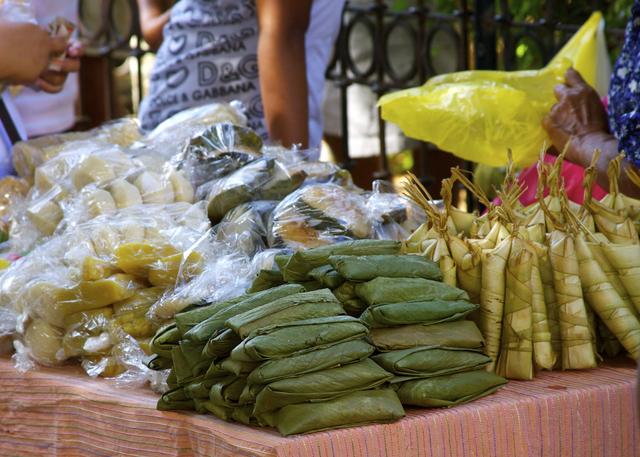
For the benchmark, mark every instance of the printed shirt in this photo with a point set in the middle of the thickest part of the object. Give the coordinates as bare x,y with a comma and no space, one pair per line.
208,55
624,92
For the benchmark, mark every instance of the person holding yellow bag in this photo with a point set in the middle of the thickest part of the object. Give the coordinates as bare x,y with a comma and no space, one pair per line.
580,117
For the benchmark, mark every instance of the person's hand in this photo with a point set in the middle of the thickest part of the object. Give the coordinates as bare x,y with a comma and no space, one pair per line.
53,78
25,51
578,115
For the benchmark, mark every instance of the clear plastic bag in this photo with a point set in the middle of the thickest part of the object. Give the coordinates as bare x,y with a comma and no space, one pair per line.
262,179
318,215
217,151
394,216
29,154
86,293
478,115
245,227
170,136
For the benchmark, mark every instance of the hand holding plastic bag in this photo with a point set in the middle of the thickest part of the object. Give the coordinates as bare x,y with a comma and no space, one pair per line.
478,115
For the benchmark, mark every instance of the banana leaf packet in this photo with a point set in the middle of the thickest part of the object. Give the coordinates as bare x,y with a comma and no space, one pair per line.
158,363
184,371
345,292
215,371
322,359
427,362
199,389
221,344
368,267
351,410
459,334
237,188
321,385
175,399
354,306
326,276
302,262
416,312
220,411
237,367
186,320
266,279
288,339
305,305
395,290
249,394
226,392
205,329
449,390
165,340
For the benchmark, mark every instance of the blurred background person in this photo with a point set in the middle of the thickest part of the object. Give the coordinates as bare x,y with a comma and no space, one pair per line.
268,54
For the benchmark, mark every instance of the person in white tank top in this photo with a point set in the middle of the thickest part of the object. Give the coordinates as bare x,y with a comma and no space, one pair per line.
270,55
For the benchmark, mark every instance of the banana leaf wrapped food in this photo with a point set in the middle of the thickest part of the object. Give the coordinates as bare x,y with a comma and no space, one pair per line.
396,290
240,187
287,339
227,391
199,389
245,227
368,267
516,350
430,361
626,261
321,385
237,367
416,312
266,279
345,292
327,276
449,390
459,334
165,340
578,351
205,329
319,215
543,353
333,356
220,344
351,410
175,399
304,305
301,263
189,318
492,294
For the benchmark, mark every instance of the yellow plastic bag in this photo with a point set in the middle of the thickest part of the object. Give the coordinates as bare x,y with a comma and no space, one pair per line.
478,115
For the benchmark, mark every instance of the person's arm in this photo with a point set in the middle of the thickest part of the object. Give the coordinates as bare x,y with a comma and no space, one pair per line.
154,14
580,117
283,69
25,52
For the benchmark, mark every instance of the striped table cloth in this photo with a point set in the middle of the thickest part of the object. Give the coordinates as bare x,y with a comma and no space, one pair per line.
64,413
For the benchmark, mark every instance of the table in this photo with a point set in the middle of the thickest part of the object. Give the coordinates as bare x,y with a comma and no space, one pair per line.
63,412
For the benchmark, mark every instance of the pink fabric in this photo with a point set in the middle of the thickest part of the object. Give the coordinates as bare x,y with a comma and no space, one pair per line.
572,174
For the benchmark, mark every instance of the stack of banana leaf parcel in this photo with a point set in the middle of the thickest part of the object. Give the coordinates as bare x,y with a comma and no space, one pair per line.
300,355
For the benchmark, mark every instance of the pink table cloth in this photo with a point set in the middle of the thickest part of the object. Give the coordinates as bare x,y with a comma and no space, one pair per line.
61,412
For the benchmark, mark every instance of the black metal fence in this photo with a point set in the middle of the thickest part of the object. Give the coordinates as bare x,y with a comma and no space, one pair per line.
473,34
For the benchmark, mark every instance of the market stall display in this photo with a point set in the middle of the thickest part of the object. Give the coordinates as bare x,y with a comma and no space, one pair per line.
290,357
135,228
544,276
